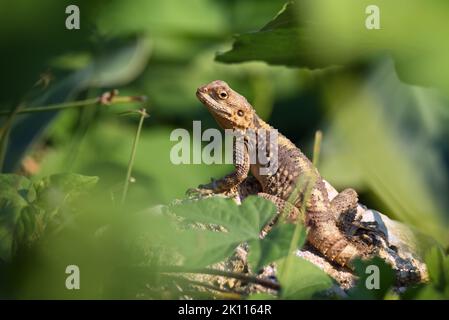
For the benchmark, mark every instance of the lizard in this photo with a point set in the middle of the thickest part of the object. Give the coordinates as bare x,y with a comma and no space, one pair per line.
232,111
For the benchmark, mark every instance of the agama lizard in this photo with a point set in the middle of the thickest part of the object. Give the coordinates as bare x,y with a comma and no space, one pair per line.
232,111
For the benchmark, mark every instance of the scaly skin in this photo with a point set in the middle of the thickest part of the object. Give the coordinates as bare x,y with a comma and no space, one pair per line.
294,180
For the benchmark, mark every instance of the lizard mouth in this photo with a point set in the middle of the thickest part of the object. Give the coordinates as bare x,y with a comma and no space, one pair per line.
211,104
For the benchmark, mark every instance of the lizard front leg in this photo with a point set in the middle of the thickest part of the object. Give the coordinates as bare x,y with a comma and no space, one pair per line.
232,180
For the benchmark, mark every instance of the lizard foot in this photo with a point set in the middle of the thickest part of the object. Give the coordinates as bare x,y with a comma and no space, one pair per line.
369,232
198,192
203,189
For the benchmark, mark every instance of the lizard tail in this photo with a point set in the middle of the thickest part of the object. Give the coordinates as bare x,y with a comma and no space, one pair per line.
323,232
329,240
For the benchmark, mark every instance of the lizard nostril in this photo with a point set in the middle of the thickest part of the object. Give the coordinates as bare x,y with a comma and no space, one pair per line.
203,89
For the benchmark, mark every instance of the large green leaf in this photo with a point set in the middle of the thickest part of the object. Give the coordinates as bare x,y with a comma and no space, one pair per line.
303,279
321,33
274,246
242,223
379,268
285,31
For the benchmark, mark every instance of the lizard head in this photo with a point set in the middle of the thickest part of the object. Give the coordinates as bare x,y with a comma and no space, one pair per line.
230,109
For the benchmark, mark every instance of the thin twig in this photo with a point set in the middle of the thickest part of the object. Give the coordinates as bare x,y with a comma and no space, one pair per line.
107,98
4,134
77,104
4,137
143,114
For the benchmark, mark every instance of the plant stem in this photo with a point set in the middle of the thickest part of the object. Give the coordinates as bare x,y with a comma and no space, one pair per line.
239,276
285,266
4,137
75,104
143,115
317,147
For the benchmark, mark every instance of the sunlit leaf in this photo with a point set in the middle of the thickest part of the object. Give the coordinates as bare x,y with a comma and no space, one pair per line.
370,274
303,280
242,223
274,246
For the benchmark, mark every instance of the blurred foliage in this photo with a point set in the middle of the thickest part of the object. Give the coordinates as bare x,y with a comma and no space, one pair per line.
438,265
312,66
43,220
28,208
322,33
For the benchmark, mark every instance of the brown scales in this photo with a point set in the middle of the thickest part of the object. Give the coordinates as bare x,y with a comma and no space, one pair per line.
295,179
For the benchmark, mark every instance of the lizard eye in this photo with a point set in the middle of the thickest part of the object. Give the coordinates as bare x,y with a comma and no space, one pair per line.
223,95
240,113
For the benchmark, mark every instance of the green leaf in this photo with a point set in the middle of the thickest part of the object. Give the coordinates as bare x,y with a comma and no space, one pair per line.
243,224
66,182
284,31
438,268
367,271
321,33
274,246
122,65
27,208
203,248
303,279
296,31
245,221
29,228
13,199
54,191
